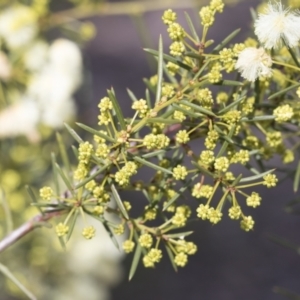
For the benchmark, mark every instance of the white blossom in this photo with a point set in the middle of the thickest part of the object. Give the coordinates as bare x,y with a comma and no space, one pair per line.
35,57
277,23
253,63
20,118
18,26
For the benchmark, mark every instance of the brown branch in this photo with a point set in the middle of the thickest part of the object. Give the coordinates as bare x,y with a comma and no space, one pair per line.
27,227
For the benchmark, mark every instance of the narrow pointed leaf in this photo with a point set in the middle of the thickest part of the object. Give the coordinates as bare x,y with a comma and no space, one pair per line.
179,235
74,134
151,165
64,178
131,95
297,178
75,151
33,197
229,83
96,132
135,261
154,153
171,256
198,108
233,104
63,152
55,175
255,177
191,26
148,98
226,41
71,224
226,143
117,108
6,272
7,213
85,181
162,120
159,70
281,92
170,58
258,118
119,201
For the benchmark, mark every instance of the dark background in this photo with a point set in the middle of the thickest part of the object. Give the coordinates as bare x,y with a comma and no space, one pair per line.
229,264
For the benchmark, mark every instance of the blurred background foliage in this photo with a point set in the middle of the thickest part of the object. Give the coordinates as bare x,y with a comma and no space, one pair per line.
52,52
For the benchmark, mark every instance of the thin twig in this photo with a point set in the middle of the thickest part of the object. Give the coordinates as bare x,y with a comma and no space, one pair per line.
27,227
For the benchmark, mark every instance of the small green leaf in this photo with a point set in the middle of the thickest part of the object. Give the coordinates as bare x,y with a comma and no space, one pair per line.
63,152
258,118
233,104
297,178
135,261
119,201
170,58
131,95
229,83
72,223
281,92
197,75
154,153
33,197
162,120
179,235
185,111
171,256
159,70
148,98
96,132
151,165
180,192
226,41
226,143
117,108
73,133
198,108
255,177
7,212
85,181
64,178
55,175
75,151
6,272
191,26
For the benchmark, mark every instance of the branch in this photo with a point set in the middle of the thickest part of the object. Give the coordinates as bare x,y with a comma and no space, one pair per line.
35,222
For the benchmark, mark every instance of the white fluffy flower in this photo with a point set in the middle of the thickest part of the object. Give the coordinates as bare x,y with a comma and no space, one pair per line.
253,63
276,24
35,57
18,26
20,118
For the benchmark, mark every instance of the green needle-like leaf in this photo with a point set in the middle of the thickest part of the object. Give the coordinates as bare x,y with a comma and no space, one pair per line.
297,178
281,92
171,256
72,223
6,272
74,133
117,108
191,26
135,261
96,132
55,175
255,177
63,152
159,70
119,201
226,41
151,165
64,178
33,197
